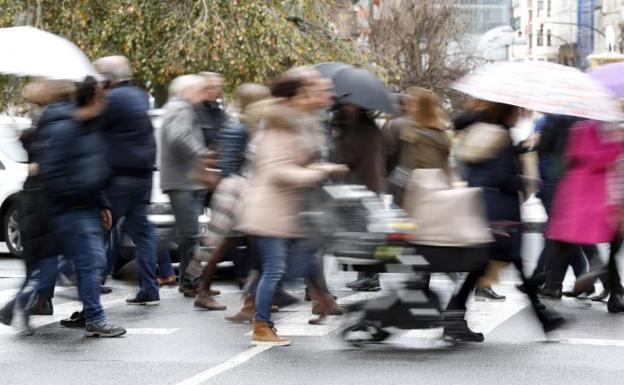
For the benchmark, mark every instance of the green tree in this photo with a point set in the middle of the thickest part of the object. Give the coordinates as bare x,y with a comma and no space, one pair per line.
245,40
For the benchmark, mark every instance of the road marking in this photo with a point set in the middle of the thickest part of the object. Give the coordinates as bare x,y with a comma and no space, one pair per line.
233,362
152,331
591,341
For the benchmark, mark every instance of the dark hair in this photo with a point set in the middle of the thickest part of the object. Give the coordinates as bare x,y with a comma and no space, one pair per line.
86,91
287,86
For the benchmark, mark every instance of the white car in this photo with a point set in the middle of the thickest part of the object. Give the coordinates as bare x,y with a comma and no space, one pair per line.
13,173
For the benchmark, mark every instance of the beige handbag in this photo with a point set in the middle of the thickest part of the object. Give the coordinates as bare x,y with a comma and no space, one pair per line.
451,217
480,142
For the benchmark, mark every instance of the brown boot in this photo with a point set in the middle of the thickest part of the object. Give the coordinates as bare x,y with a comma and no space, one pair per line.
246,313
205,300
265,335
324,305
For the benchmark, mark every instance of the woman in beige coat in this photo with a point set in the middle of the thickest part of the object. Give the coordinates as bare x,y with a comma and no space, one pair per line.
282,168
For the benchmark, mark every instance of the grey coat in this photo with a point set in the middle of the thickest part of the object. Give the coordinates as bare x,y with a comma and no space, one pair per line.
182,143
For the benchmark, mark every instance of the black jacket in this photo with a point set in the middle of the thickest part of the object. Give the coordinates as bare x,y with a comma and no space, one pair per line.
212,119
129,132
74,167
553,140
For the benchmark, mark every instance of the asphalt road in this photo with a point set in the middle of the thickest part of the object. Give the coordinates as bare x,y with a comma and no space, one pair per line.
174,344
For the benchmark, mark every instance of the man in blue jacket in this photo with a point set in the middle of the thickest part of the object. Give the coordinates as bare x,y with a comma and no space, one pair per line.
132,155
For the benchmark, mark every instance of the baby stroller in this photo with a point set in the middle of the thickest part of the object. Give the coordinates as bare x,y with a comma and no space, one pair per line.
354,226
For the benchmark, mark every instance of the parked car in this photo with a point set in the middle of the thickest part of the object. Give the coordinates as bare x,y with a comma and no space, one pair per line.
13,172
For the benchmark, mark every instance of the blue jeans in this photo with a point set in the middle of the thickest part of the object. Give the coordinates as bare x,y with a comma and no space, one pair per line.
81,239
47,274
280,258
130,198
187,205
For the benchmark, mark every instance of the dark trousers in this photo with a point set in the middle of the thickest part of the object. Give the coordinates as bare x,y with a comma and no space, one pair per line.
187,205
130,198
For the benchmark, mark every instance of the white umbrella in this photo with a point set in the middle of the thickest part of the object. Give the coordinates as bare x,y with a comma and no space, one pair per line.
544,87
28,51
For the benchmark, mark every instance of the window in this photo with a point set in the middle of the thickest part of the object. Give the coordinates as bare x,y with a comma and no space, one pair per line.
548,8
540,6
530,41
540,38
548,38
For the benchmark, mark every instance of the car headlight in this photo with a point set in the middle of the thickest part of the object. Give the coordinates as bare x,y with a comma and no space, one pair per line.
160,209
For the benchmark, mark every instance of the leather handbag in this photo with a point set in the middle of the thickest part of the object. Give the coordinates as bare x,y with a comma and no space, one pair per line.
450,217
481,142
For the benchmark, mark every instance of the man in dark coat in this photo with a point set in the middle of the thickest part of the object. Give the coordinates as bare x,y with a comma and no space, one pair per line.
359,145
132,155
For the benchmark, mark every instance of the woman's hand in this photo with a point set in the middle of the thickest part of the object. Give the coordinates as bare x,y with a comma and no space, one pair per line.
330,169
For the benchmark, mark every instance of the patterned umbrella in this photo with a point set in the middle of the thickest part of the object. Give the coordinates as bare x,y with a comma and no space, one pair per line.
544,87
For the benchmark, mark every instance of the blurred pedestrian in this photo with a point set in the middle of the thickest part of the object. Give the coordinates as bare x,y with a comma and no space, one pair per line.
554,132
423,142
359,145
281,169
75,171
586,210
210,111
183,149
232,144
40,248
496,170
132,156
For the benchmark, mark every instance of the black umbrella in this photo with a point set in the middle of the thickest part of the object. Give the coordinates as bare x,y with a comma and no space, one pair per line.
363,89
329,69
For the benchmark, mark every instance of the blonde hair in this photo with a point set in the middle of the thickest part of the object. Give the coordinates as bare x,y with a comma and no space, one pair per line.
424,107
47,91
249,93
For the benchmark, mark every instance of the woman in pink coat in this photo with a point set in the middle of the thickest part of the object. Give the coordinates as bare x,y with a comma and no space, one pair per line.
586,209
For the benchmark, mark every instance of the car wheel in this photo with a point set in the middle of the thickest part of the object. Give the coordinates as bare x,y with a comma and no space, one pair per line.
11,232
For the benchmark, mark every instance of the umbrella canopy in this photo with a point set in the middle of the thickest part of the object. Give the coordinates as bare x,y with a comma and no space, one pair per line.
544,87
28,51
611,76
362,88
330,69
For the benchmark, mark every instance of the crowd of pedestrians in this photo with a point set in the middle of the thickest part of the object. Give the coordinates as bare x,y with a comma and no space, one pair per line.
94,150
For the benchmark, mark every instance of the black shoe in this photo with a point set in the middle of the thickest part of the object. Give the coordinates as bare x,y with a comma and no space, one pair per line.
42,306
104,329
487,294
6,314
522,288
548,292
367,284
106,290
140,300
76,320
540,306
456,328
550,320
615,303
